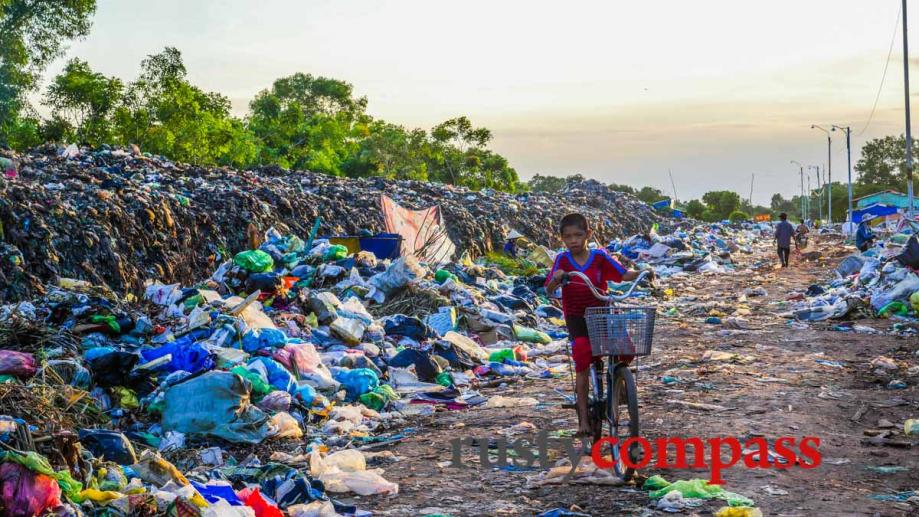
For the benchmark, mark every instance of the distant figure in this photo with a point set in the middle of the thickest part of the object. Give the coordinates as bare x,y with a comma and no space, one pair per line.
801,236
510,247
864,237
783,234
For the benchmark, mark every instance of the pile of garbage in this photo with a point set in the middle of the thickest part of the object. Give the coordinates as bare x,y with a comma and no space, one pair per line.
882,282
263,389
703,248
115,217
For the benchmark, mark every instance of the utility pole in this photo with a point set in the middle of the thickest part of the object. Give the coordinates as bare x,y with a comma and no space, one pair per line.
807,199
819,188
801,171
829,170
909,138
848,131
750,200
672,184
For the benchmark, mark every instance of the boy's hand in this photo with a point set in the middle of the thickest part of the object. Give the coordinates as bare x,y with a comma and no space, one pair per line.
559,276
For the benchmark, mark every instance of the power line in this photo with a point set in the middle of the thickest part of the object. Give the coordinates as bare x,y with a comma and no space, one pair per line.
884,75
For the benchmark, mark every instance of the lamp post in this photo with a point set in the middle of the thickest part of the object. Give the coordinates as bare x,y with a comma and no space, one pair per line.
848,131
829,171
909,138
801,172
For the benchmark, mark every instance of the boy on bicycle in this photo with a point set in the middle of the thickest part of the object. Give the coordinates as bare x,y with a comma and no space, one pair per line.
601,268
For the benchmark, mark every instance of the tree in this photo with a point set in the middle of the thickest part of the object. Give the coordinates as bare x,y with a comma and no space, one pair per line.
622,188
539,183
32,34
738,217
165,114
85,100
721,203
311,123
650,195
695,209
883,163
392,152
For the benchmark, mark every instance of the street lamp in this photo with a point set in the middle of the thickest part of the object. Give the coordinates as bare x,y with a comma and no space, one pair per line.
848,131
801,171
829,171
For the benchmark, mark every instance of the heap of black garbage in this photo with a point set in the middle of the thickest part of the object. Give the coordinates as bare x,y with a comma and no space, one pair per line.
115,217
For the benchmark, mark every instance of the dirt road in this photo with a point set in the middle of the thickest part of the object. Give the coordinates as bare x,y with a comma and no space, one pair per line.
769,384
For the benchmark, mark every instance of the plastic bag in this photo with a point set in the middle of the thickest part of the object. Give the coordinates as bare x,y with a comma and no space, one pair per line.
357,381
282,425
738,511
693,488
260,339
37,463
216,403
529,335
109,445
299,358
253,499
398,275
313,509
379,397
224,509
277,375
335,252
26,493
467,345
901,291
15,363
275,401
254,261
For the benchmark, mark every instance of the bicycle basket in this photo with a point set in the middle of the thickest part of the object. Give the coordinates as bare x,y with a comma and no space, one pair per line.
620,330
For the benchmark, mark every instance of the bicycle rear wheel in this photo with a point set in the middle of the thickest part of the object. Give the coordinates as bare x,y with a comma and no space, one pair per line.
622,419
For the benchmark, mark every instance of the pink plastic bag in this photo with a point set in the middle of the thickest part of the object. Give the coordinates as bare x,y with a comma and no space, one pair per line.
17,363
26,493
301,358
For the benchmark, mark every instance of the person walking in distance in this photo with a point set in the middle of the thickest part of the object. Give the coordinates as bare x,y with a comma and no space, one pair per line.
784,231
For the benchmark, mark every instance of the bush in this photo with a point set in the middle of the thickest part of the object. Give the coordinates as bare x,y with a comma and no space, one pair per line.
738,217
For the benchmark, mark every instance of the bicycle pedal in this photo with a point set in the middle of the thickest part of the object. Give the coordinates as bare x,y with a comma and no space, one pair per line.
570,405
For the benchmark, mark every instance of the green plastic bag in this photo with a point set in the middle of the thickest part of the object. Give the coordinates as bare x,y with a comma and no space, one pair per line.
442,275
499,356
895,307
914,301
445,379
694,488
260,388
529,335
108,320
335,252
379,397
35,462
254,261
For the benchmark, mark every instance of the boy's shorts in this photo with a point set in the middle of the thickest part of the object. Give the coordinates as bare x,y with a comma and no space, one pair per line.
581,351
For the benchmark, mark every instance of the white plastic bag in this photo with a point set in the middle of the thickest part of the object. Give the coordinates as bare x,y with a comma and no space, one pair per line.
224,509
282,425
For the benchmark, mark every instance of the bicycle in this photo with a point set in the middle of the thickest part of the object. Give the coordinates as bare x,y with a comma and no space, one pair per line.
615,331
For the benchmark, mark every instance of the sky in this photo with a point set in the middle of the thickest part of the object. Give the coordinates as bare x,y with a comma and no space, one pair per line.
717,92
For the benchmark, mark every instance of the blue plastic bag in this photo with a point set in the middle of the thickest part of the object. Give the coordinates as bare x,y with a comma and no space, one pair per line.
186,356
278,376
357,381
260,339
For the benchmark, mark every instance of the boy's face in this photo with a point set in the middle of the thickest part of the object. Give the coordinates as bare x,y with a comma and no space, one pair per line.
575,238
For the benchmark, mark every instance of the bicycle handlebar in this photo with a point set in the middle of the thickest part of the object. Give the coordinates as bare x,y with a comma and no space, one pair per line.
608,298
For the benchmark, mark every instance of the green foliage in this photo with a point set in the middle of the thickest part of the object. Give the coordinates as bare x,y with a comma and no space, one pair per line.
510,265
738,217
32,34
623,188
549,184
650,195
883,163
85,100
720,204
165,114
695,209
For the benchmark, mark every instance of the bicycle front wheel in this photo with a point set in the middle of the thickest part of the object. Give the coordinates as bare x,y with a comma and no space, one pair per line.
622,419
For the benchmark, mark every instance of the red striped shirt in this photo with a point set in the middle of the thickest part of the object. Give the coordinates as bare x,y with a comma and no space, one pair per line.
600,268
